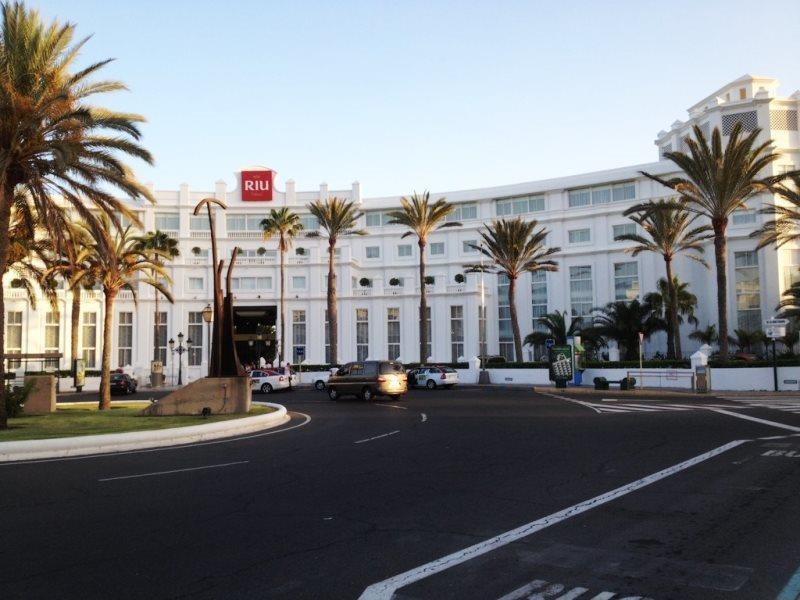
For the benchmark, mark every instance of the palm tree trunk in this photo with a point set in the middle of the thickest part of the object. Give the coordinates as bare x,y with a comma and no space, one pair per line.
512,309
673,331
215,364
156,323
423,306
721,258
283,300
5,218
105,369
333,317
75,321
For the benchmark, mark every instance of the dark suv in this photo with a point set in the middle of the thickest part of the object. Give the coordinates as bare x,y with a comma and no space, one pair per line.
122,383
368,379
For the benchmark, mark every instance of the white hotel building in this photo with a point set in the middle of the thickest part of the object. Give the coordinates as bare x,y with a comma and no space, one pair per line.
582,212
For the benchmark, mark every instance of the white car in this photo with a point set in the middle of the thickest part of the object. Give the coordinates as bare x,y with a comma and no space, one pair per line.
267,381
434,377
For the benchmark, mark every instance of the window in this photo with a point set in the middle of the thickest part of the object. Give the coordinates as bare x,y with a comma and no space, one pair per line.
428,345
437,248
199,223
244,222
393,332
538,295
604,194
124,339
626,281
463,212
378,218
505,331
298,282
742,93
749,121
161,343
194,332
14,336
467,246
89,339
327,339
601,195
580,236
373,251
168,221
404,250
623,191
624,229
362,334
743,217
309,222
196,283
298,336
52,336
748,291
456,333
579,198
519,206
580,291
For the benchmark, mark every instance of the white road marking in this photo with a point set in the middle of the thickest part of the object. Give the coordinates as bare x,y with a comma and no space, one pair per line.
754,419
604,596
610,400
586,404
573,593
239,462
182,447
540,589
377,437
424,417
384,590
391,405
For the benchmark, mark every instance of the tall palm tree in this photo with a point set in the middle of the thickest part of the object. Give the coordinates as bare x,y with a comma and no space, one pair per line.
789,305
663,307
116,261
717,181
515,247
285,225
707,336
337,218
421,218
668,229
623,321
30,255
553,326
54,145
784,227
157,244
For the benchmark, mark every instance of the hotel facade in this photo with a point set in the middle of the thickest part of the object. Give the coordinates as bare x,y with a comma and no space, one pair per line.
377,275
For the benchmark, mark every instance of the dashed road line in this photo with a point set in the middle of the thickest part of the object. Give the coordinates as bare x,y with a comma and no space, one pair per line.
391,405
377,437
384,590
155,473
423,417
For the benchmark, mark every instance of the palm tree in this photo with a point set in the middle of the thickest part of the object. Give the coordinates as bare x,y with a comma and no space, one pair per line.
716,182
157,244
790,339
745,340
789,306
30,255
553,326
421,218
668,230
623,321
116,261
705,336
53,144
286,225
515,247
784,227
662,305
337,218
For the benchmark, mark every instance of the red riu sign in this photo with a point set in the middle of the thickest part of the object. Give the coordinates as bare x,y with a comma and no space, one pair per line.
257,185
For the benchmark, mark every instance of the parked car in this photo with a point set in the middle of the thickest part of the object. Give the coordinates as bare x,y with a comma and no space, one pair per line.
320,383
433,377
267,381
122,383
368,379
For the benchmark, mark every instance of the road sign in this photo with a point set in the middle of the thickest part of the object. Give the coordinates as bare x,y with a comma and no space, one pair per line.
776,331
549,343
776,322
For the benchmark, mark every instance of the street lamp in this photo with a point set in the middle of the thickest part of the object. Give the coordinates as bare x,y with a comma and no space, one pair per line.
208,315
180,350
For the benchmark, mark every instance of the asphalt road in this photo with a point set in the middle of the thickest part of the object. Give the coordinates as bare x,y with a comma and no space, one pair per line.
467,493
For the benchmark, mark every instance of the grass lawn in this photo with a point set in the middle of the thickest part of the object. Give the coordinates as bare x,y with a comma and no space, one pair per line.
85,419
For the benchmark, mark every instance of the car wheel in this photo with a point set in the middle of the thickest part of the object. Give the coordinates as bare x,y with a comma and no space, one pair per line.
266,389
366,394
431,385
319,384
333,394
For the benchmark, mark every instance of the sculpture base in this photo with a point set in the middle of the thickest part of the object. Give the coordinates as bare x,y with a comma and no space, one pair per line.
42,397
222,395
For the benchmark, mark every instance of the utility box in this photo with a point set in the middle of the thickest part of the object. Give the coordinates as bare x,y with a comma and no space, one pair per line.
156,373
701,372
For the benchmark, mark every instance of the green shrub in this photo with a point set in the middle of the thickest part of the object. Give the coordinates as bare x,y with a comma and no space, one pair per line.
15,399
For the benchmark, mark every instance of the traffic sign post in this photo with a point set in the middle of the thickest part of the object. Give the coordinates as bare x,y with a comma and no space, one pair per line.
775,328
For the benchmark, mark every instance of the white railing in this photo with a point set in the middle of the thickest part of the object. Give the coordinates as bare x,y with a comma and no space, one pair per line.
91,294
298,260
255,260
200,235
173,233
197,261
125,295
455,289
245,235
362,292
394,291
16,294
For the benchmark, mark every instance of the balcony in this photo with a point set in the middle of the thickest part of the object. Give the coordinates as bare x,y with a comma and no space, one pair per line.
298,260
457,288
16,294
200,235
125,295
245,235
363,292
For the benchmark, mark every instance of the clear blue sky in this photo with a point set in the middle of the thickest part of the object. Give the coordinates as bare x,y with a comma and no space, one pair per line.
421,94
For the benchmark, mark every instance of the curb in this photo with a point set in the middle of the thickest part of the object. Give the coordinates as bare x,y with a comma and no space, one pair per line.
140,440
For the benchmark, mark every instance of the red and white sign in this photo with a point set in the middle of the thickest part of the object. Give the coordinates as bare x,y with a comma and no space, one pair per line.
257,186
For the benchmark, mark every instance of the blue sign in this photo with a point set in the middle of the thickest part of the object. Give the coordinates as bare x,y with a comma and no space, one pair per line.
300,351
549,343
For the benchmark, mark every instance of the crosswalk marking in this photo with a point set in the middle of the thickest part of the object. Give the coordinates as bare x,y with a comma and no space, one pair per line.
539,589
789,404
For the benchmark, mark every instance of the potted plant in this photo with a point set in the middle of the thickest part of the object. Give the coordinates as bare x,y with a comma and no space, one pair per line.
460,278
364,282
300,251
196,250
394,282
261,251
430,280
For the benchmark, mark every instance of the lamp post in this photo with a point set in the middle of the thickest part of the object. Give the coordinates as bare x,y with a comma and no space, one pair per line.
180,350
208,315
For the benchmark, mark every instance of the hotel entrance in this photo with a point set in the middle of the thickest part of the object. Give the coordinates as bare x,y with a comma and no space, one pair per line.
255,334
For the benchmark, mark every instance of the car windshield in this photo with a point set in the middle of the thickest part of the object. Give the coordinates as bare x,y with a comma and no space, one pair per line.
391,367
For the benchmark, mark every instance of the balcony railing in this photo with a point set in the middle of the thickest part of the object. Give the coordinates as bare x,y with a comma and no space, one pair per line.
200,235
197,260
362,292
298,260
245,235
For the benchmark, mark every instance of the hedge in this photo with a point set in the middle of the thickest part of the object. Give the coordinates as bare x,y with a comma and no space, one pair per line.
634,364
